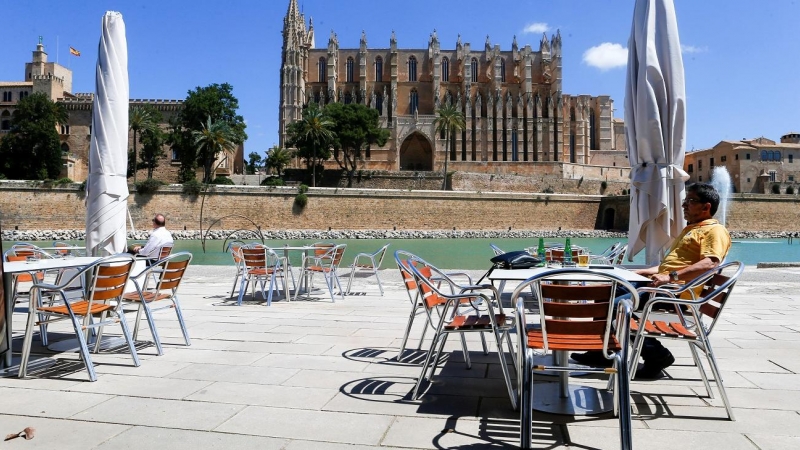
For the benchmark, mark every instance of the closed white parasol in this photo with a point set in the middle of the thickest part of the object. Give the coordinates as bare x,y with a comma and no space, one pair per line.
107,185
655,128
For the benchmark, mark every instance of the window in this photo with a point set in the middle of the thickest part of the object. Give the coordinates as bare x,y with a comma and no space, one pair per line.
736,157
700,178
723,158
747,156
64,129
5,125
349,69
776,155
514,146
699,164
348,98
445,69
791,178
316,97
378,69
748,180
379,103
64,148
323,70
412,68
502,70
691,168
6,96
175,155
773,176
414,101
711,162
791,159
474,70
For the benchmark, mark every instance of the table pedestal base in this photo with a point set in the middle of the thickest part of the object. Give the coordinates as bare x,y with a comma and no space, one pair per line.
582,400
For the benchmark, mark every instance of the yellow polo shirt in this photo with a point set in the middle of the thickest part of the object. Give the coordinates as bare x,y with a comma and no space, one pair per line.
697,241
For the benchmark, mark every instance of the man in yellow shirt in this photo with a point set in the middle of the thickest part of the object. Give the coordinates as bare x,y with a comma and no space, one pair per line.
701,246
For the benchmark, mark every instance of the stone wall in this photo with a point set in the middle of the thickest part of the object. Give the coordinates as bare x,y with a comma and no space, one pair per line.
31,208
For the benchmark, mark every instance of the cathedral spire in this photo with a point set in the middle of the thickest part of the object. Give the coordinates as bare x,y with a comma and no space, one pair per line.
293,12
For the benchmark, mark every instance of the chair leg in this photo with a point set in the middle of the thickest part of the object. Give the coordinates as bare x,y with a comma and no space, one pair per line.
181,322
504,367
465,350
408,331
26,345
273,279
422,338
623,392
126,332
350,278
699,365
483,344
378,279
235,280
137,320
423,373
634,361
242,288
148,313
718,378
98,339
526,403
84,349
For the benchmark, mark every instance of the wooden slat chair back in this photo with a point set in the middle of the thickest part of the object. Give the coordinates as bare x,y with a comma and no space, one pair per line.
164,251
558,255
698,305
103,296
575,316
234,247
326,260
462,309
169,273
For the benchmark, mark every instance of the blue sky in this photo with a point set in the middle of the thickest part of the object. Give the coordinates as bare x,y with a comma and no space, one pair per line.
740,56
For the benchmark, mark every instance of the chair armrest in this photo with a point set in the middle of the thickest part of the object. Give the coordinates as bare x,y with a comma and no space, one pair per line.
457,274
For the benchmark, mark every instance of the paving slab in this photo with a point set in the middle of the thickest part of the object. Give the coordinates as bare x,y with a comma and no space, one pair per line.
144,437
62,434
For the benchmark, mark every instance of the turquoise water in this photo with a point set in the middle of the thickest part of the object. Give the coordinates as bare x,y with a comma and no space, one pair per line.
475,253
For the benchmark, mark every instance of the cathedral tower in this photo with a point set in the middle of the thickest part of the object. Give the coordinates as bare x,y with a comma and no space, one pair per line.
297,41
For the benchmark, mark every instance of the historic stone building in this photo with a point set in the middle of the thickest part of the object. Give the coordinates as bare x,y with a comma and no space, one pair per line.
518,120
55,80
755,165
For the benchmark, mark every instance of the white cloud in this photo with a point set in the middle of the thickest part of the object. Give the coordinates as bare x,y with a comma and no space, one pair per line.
536,28
606,56
693,49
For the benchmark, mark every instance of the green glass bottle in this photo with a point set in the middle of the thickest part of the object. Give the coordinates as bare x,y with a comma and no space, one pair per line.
540,249
568,252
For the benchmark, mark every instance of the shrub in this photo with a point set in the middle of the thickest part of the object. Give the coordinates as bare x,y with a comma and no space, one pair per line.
603,185
148,187
776,188
790,190
548,190
302,189
300,201
273,181
223,180
62,181
192,188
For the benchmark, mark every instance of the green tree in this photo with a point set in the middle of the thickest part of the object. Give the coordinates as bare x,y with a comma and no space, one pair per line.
141,119
152,150
253,162
450,121
356,127
31,149
217,102
312,136
210,140
278,158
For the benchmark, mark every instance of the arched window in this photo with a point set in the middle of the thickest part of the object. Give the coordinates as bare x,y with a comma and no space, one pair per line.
414,101
379,103
378,69
64,129
323,70
445,69
764,155
412,68
5,125
64,148
776,156
474,67
349,71
316,97
502,70
348,98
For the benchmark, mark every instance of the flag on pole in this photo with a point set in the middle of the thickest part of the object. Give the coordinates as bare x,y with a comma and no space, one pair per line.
74,52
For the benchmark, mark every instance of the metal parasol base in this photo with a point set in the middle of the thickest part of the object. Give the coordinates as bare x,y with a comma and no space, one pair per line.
581,401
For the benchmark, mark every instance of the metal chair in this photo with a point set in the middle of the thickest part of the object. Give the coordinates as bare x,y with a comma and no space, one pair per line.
697,307
575,317
168,273
234,248
403,259
103,295
326,261
370,262
466,309
497,250
263,265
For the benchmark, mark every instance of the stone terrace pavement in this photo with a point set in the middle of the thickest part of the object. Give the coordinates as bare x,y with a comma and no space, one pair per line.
322,375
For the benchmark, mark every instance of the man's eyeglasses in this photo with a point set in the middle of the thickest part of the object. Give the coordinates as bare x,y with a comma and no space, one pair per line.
692,200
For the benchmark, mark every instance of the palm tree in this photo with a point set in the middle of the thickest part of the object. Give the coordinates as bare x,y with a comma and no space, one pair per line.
315,132
213,138
278,158
450,121
139,120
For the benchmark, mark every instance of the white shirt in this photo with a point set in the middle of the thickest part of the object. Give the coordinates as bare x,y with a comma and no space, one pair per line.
158,238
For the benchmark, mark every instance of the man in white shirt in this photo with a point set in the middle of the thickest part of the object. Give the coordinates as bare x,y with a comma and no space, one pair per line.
158,238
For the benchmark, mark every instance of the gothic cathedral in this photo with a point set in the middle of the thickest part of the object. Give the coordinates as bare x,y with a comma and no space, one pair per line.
517,117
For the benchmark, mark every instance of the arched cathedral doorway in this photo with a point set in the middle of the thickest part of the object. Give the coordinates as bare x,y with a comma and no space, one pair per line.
416,153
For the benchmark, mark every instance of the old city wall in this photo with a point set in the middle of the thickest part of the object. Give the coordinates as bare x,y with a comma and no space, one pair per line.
30,208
